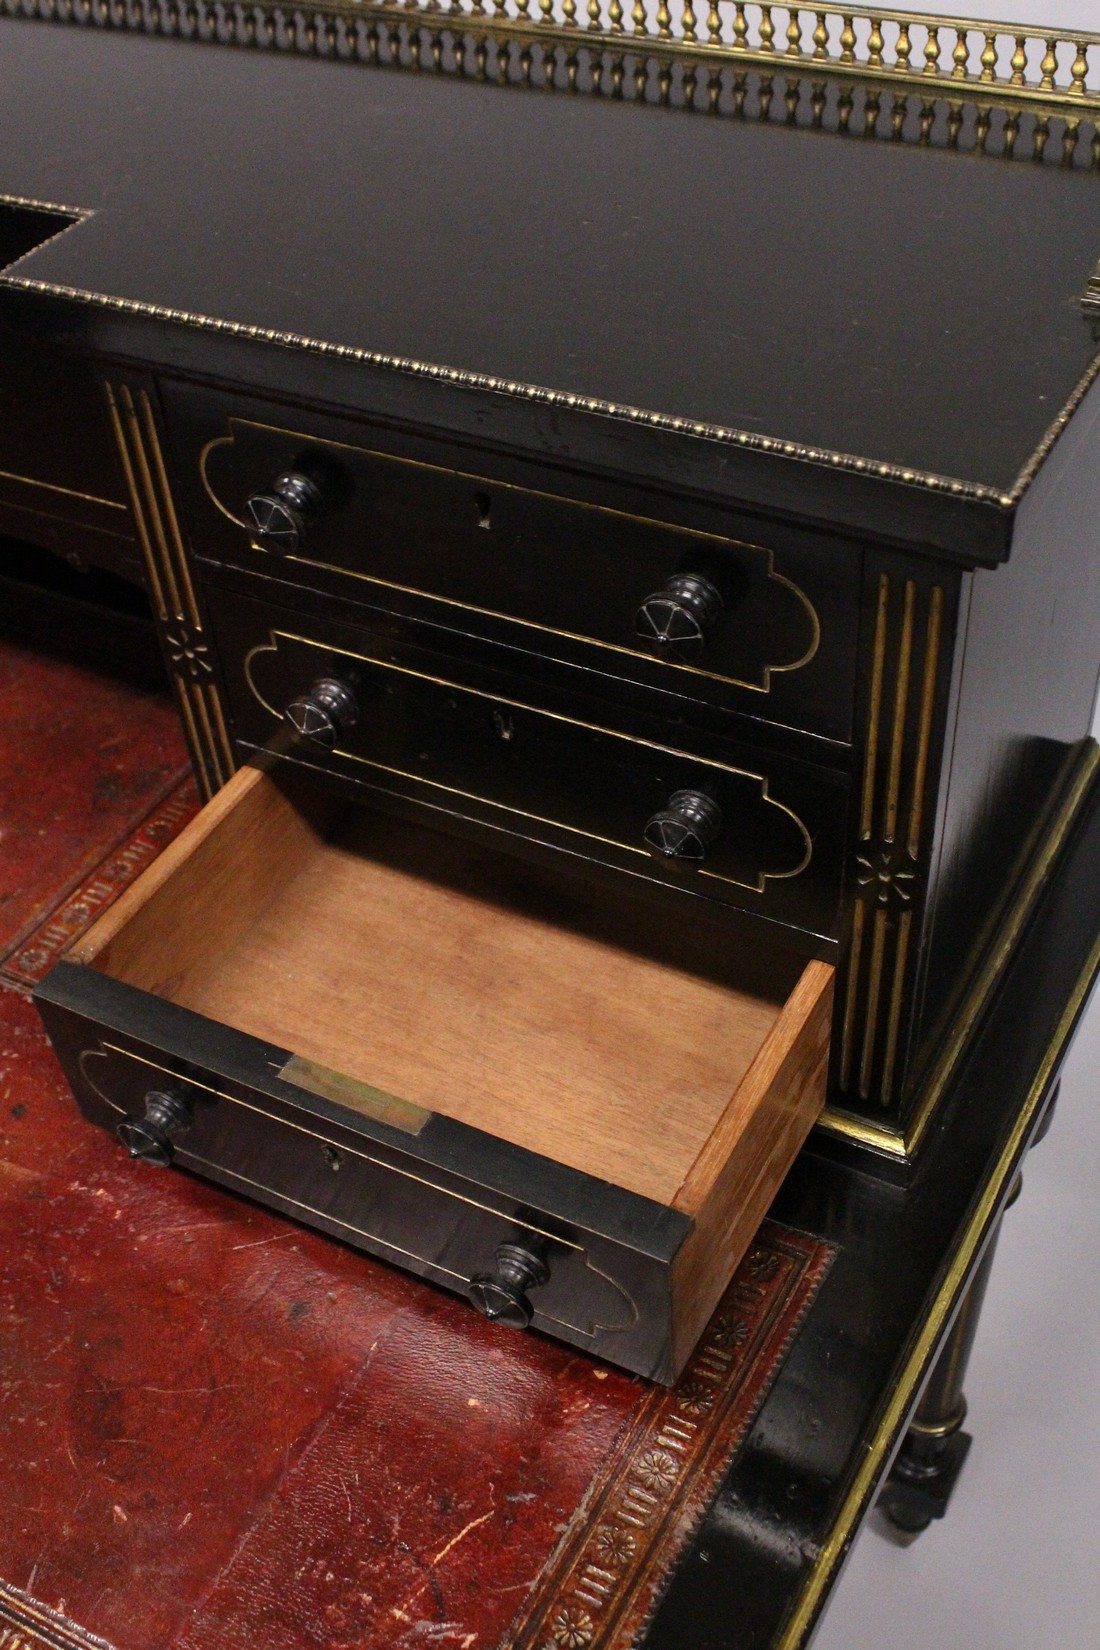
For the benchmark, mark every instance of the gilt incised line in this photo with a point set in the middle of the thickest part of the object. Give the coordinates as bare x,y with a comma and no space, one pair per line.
755,552
152,504
851,1004
901,700
140,523
757,887
180,556
897,998
885,869
928,702
170,583
874,989
878,665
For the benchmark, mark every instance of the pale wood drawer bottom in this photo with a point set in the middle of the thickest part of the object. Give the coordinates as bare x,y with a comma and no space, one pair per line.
432,1051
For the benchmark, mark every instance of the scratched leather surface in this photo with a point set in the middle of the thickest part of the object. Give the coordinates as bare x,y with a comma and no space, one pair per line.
180,1371
82,758
219,1430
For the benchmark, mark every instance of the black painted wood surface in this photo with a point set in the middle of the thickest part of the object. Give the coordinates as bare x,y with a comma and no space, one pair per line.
776,1538
552,566
708,271
436,1201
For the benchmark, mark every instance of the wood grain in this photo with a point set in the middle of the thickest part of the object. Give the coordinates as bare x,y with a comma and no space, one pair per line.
615,1064
461,982
732,1182
205,891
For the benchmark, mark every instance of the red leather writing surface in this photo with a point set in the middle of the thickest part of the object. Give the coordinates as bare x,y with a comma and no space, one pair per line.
82,759
219,1430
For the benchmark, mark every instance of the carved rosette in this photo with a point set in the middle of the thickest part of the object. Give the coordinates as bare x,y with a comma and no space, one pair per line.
887,870
171,588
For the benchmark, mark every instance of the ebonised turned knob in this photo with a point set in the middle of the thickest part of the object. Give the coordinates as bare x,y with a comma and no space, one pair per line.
685,829
279,517
676,618
329,709
502,1295
151,1136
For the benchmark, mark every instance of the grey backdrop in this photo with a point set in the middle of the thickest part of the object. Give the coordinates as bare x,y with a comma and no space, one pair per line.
1016,1563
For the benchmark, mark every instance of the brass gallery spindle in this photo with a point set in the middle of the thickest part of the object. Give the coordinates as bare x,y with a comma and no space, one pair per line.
1079,70
960,57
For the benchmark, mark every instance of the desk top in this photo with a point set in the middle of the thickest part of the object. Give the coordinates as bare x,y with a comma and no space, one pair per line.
901,305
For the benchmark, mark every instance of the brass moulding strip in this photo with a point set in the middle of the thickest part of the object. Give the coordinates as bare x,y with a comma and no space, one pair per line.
904,1389
272,646
66,492
756,550
171,588
1085,762
1085,766
887,866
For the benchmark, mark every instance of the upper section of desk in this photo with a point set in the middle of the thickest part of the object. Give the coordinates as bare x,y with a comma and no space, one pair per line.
897,321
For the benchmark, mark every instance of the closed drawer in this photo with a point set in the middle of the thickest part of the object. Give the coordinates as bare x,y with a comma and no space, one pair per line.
485,1073
407,722
693,608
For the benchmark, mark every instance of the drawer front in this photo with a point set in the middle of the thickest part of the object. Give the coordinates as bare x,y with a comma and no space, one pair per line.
387,1190
767,630
416,727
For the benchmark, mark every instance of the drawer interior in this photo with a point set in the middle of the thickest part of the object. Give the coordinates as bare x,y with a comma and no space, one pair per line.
536,1006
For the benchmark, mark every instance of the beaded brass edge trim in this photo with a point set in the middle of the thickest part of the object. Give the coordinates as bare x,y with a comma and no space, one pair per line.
975,492
849,43
696,535
1088,378
25,1624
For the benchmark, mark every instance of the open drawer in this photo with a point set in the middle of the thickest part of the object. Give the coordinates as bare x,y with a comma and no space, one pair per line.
504,1078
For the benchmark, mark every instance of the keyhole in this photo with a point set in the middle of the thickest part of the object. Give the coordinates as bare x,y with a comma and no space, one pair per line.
483,504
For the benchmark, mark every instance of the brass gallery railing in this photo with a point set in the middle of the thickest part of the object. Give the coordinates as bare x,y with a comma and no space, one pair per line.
753,60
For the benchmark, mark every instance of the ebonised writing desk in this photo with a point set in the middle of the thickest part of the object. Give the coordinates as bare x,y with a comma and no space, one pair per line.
659,453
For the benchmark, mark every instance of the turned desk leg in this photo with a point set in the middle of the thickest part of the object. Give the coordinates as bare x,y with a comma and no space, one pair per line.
928,1465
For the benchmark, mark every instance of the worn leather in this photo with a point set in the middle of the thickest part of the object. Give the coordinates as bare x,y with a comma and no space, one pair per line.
219,1430
83,759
